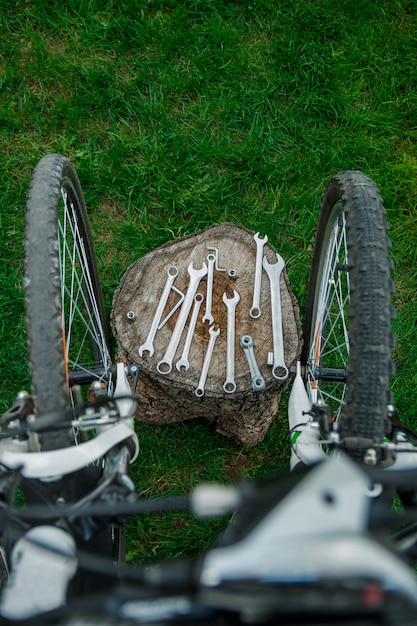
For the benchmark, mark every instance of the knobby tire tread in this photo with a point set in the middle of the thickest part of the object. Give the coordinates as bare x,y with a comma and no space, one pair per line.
42,286
43,321
370,311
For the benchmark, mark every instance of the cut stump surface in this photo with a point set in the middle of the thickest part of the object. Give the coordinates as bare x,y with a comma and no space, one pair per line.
245,414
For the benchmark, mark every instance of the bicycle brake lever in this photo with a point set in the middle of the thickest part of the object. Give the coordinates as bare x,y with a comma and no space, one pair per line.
21,408
133,372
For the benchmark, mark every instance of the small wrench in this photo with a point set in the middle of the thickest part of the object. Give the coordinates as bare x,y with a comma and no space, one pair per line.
231,303
183,362
255,311
258,381
165,364
211,258
172,273
279,369
213,336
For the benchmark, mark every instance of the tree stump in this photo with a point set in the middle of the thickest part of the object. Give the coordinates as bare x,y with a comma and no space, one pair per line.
245,414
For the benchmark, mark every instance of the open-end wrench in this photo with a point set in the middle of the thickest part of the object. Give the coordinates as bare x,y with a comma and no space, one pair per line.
203,376
211,258
165,364
183,362
255,311
231,303
172,273
279,369
258,381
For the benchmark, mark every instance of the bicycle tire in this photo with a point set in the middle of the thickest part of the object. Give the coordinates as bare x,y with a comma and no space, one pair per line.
56,224
348,322
65,316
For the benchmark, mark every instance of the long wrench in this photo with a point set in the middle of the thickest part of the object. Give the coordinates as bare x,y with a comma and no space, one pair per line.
172,273
203,376
255,311
183,362
165,364
231,303
258,381
208,317
279,369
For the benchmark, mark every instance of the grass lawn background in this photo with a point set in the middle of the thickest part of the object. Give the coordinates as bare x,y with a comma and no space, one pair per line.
178,115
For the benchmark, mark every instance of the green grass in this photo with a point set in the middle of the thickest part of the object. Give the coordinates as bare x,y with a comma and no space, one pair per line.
180,114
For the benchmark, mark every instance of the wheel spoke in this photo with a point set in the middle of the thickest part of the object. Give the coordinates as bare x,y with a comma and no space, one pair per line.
330,347
78,300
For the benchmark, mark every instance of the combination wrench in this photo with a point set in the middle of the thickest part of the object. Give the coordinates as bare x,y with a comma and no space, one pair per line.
203,376
208,317
258,381
164,366
279,369
255,311
172,273
183,362
231,303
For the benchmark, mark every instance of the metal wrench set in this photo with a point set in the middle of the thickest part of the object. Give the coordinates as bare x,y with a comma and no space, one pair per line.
191,303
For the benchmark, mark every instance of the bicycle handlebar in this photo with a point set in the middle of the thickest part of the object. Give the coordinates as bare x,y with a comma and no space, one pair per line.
270,555
299,544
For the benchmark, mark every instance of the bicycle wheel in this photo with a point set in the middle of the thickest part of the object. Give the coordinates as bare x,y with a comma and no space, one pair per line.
67,336
348,336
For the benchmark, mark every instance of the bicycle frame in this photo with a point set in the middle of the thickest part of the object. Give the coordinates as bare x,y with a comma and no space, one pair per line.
313,535
44,465
330,545
45,555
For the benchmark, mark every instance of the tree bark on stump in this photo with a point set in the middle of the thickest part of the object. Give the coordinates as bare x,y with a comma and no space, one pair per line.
246,414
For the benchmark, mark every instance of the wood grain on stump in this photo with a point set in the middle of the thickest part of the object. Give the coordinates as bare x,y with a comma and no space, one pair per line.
246,414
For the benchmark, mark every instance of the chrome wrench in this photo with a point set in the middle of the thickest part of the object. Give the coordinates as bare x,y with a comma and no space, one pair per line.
203,376
165,364
255,311
183,362
211,258
279,369
172,273
258,381
231,303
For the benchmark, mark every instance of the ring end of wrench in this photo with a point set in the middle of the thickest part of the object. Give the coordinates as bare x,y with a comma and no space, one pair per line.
280,372
164,368
229,386
255,312
258,383
246,341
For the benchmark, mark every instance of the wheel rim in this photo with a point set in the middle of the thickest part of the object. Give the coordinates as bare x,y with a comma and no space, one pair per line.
86,350
329,348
